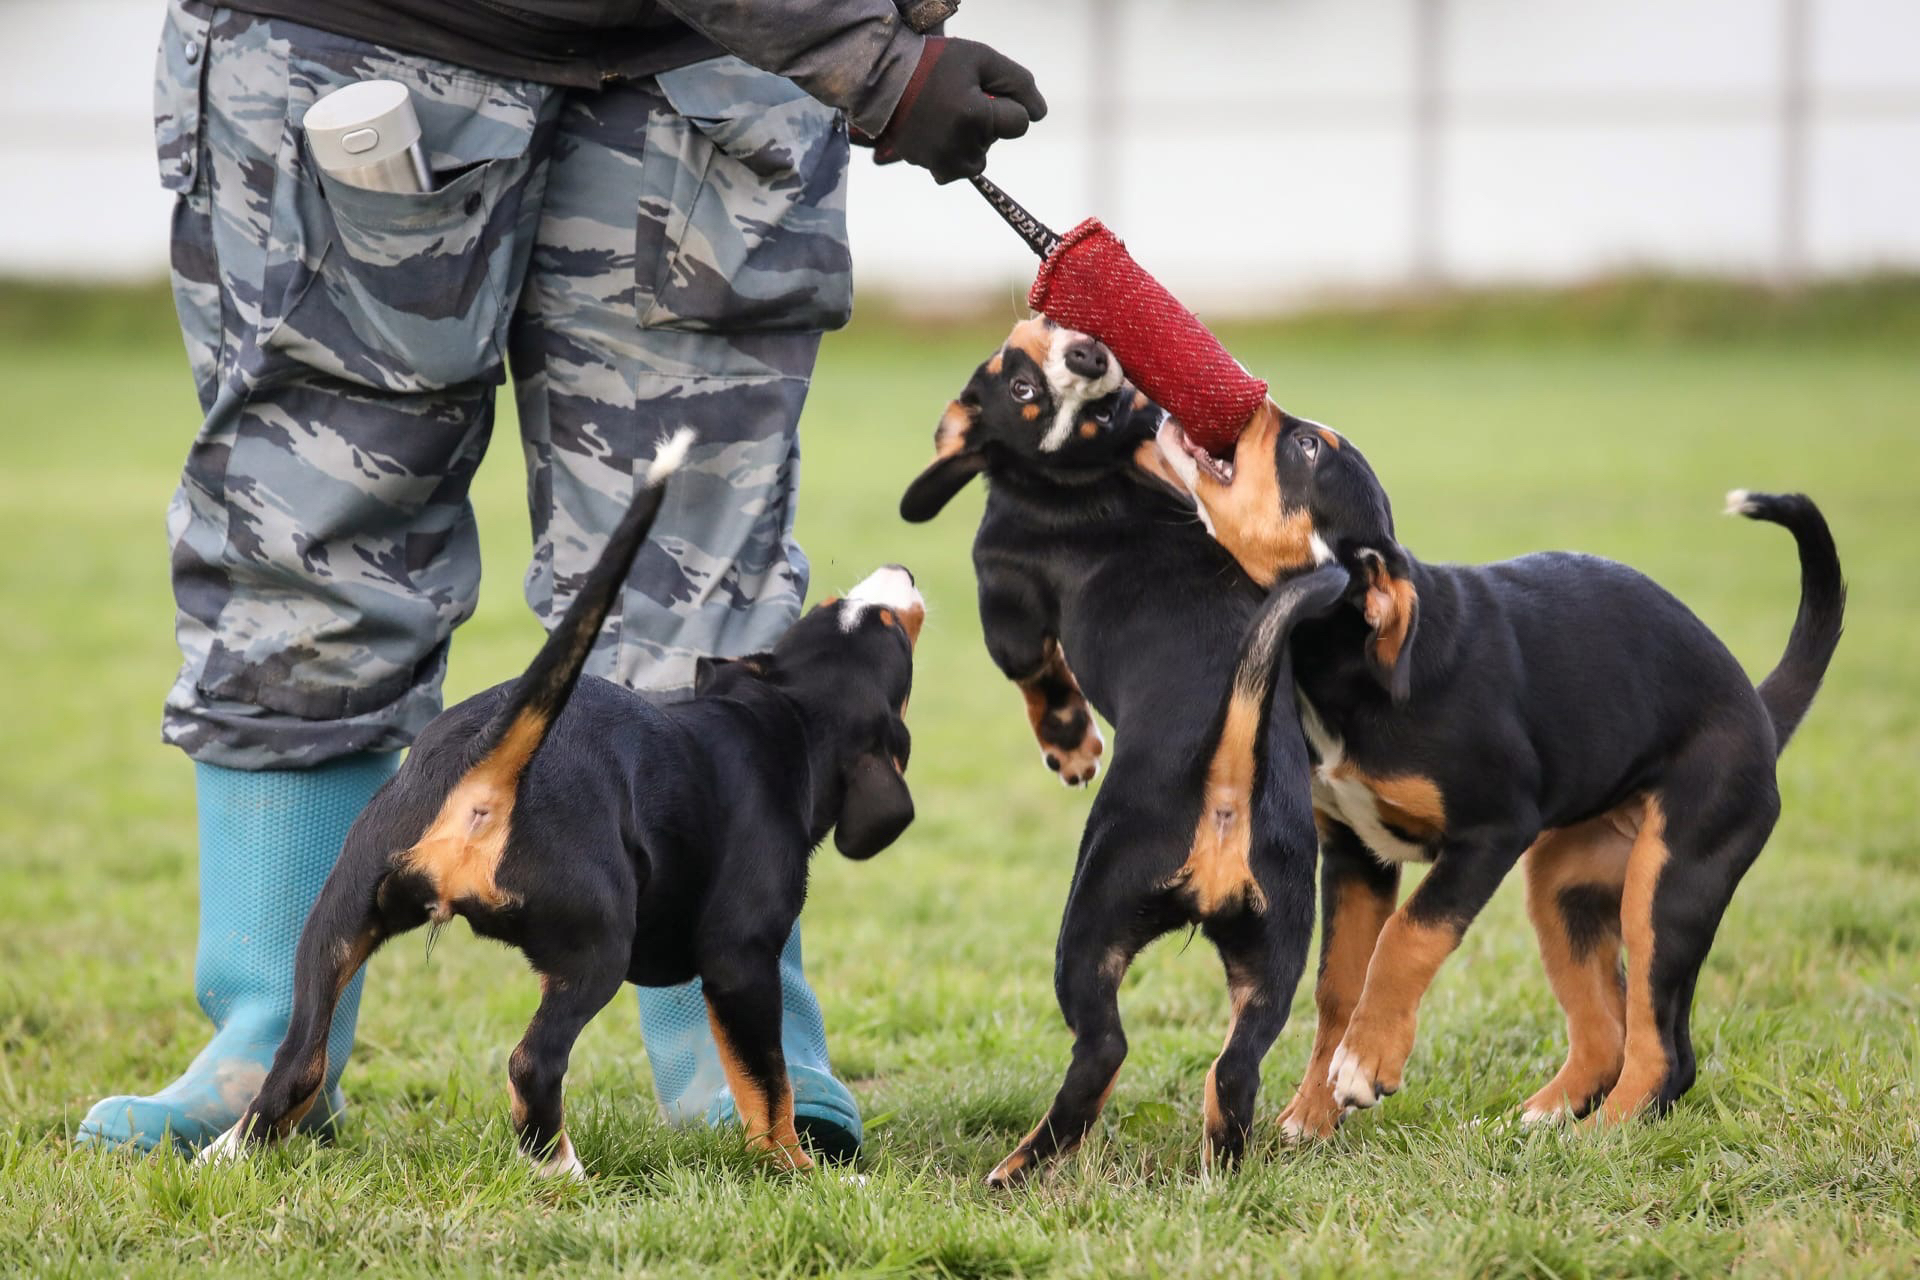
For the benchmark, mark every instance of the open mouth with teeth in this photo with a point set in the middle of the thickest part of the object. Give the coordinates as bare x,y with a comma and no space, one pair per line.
1220,469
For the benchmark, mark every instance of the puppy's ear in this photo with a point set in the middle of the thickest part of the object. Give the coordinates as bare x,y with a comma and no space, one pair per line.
956,459
707,670
876,808
1392,609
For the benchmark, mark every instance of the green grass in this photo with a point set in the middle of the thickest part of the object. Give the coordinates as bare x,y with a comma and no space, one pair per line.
1795,1153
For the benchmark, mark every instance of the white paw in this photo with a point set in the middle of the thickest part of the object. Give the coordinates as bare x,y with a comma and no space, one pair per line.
1532,1116
1080,766
563,1163
1352,1086
1292,1132
225,1149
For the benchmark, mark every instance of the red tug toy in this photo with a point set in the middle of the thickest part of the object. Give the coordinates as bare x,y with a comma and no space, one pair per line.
1088,281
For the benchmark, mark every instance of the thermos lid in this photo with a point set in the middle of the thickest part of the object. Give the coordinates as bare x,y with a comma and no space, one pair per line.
361,124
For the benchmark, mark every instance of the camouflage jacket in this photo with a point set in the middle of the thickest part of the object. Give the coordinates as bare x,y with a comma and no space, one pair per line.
856,55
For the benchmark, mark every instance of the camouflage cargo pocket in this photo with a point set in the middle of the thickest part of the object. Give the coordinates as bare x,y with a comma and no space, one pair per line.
404,291
743,213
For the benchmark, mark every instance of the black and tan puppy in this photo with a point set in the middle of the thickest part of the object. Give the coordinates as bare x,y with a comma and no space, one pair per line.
616,839
1559,706
1095,576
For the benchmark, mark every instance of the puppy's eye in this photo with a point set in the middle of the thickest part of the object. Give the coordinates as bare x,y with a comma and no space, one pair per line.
1102,416
1310,446
1023,391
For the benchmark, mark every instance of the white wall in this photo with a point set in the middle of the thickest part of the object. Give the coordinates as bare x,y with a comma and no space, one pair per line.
79,192
1252,152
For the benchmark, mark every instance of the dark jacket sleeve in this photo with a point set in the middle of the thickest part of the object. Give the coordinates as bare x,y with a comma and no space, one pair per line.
853,54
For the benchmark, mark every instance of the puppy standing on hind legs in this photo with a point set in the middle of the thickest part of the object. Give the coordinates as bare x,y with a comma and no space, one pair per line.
1098,586
612,839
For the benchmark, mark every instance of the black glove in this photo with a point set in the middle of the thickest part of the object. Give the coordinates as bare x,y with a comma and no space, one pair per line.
963,97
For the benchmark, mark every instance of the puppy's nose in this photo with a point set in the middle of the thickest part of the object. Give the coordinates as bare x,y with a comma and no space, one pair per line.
902,568
1087,360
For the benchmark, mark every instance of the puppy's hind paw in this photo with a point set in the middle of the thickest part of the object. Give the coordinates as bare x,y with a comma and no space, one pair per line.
1012,1171
229,1148
561,1163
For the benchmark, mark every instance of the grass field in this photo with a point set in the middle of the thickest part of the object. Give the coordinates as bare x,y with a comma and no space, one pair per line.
1797,1153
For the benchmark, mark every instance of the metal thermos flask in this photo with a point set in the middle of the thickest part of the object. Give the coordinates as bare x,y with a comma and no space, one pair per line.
366,135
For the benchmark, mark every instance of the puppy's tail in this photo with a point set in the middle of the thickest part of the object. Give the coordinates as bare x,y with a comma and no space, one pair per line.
1240,724
522,722
1292,600
1789,688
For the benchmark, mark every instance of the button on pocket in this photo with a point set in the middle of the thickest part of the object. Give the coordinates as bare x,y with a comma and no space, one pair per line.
177,74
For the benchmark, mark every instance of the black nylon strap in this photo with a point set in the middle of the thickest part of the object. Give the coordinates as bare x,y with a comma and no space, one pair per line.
1038,237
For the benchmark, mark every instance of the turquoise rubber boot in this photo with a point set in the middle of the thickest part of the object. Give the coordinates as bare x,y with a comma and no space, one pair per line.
267,841
692,1087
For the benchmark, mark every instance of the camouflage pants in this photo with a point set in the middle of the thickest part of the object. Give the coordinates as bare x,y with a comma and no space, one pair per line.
651,255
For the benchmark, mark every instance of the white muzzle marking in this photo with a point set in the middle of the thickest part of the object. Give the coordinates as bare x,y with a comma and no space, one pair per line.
1071,392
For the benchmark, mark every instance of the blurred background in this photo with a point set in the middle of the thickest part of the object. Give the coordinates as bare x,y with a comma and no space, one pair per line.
1259,154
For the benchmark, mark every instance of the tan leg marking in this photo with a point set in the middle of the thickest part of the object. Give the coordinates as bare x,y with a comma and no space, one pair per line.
1371,1061
461,850
1079,763
1646,1065
768,1121
1218,873
353,953
1591,854
516,1105
1213,1120
297,1112
1352,930
1018,1161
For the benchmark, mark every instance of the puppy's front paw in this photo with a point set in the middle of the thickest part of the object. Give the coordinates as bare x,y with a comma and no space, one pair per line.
1071,744
1368,1066
1579,1087
1313,1115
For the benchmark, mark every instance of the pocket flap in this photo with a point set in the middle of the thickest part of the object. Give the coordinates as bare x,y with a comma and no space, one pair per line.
752,115
465,121
177,73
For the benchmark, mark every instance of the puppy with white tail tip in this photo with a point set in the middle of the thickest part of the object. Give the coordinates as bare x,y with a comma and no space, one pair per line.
613,838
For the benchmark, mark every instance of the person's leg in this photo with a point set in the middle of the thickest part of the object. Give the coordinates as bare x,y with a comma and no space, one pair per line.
323,548
690,253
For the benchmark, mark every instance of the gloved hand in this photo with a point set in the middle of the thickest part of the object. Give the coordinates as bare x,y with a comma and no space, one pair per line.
963,97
